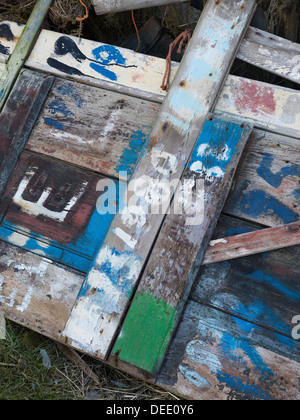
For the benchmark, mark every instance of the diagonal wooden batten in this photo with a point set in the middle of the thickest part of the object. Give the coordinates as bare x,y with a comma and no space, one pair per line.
116,6
174,263
102,302
272,53
247,244
23,48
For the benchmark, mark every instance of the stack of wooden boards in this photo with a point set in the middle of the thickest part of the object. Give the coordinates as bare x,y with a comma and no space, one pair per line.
83,119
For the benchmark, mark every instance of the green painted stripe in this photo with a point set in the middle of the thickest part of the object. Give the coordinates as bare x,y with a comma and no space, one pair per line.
23,48
149,321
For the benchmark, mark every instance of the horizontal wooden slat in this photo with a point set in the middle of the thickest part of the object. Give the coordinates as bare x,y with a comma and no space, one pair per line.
266,188
51,207
272,53
93,128
115,6
263,289
225,249
271,107
35,292
215,356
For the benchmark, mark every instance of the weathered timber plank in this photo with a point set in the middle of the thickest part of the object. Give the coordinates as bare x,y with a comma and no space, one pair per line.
263,289
17,120
96,316
35,292
93,128
247,244
51,207
215,356
116,6
276,110
181,245
23,48
272,53
10,33
271,107
266,188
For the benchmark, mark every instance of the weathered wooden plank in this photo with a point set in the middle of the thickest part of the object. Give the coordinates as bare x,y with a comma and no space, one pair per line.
35,292
263,289
18,118
179,249
116,6
10,33
266,188
247,244
23,48
51,206
271,107
272,53
215,356
96,316
267,107
90,127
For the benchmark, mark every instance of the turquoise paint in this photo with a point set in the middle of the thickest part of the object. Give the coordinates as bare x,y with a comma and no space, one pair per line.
194,377
183,99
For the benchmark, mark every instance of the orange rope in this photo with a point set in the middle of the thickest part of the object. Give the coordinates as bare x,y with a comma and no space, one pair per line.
86,13
185,37
136,30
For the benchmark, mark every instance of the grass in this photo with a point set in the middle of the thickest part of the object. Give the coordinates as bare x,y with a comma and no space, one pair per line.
23,375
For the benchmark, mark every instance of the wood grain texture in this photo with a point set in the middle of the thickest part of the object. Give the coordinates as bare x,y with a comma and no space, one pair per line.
261,289
263,105
271,107
272,53
266,188
18,118
116,6
35,292
247,244
96,316
215,356
23,47
93,128
179,249
51,210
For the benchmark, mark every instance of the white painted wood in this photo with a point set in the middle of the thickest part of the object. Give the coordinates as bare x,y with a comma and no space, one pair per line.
7,46
272,53
114,6
96,316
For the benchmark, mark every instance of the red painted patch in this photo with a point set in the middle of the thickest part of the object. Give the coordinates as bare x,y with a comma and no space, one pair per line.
250,97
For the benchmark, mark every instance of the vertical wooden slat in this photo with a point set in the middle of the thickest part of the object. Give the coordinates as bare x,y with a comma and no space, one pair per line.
96,316
17,120
115,6
23,47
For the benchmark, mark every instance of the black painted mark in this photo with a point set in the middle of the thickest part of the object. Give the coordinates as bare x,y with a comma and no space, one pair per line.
5,32
4,50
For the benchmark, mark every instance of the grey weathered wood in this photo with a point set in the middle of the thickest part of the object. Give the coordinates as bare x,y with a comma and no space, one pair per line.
116,6
272,53
35,292
96,317
93,128
247,244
